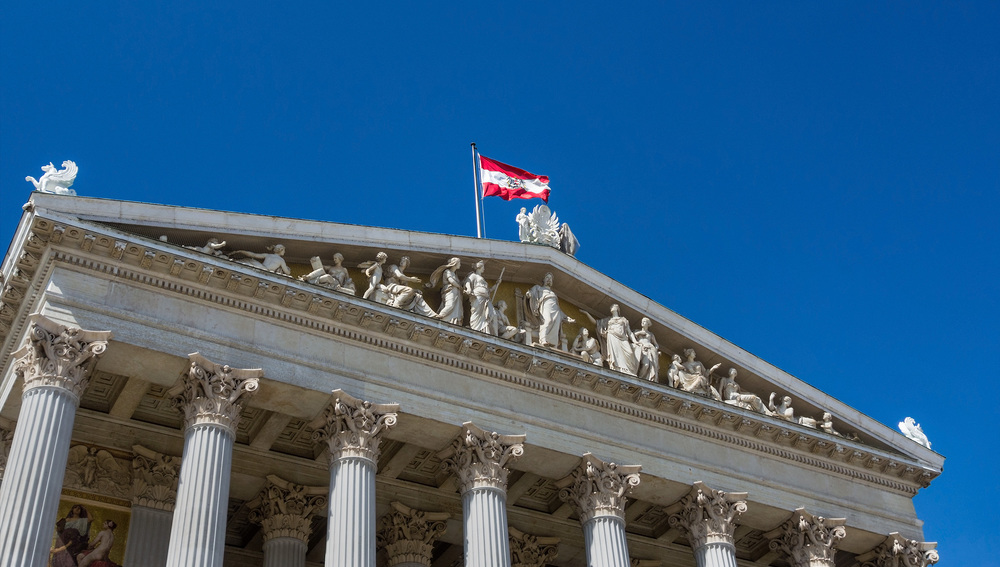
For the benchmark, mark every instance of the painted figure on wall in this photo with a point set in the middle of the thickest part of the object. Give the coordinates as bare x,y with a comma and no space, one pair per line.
72,537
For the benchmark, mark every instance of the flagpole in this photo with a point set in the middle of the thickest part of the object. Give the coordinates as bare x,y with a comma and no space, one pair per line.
475,186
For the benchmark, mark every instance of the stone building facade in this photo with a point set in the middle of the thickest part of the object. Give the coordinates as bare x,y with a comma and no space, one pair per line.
201,411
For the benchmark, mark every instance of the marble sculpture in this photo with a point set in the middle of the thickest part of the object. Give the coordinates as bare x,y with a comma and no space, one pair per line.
912,430
56,181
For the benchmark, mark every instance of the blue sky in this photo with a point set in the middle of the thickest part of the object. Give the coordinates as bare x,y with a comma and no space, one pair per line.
817,183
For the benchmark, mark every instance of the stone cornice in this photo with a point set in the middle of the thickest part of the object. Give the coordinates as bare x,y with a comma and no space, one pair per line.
266,295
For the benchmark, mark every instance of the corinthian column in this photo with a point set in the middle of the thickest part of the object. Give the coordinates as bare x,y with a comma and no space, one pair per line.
154,493
897,551
55,365
596,490
408,535
808,541
479,460
284,511
527,550
352,431
211,396
707,519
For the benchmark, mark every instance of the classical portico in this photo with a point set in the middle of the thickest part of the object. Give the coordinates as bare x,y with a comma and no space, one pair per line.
439,445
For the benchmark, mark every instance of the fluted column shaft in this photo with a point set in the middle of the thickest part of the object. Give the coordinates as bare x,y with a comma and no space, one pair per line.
484,513
717,554
352,431
55,366
211,397
198,530
285,552
596,490
148,537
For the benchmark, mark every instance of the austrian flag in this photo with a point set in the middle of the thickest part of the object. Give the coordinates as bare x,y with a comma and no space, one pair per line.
508,182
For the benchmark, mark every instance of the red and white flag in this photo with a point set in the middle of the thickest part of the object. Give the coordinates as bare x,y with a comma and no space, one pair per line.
508,182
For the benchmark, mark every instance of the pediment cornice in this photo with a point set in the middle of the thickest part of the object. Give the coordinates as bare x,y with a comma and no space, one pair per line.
176,270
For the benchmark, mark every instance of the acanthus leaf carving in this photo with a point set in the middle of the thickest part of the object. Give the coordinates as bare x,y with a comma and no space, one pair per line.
897,551
708,516
807,540
352,427
59,356
596,488
285,509
154,479
529,550
479,458
408,535
213,393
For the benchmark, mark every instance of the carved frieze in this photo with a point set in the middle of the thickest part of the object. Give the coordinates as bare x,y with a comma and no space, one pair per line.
479,458
95,470
352,427
708,515
213,393
808,541
529,550
596,488
59,356
897,551
408,535
285,509
154,479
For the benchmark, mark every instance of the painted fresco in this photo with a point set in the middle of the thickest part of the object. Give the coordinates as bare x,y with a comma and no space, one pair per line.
89,534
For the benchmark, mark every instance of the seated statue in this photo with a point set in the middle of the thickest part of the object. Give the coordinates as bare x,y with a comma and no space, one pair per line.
213,247
271,261
587,348
783,410
334,277
732,395
504,329
827,425
691,375
398,294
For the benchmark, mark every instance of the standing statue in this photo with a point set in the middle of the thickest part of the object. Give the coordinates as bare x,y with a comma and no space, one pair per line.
53,181
543,306
691,375
732,395
451,291
914,432
648,353
783,410
334,277
619,342
373,270
271,261
396,291
541,226
587,348
481,311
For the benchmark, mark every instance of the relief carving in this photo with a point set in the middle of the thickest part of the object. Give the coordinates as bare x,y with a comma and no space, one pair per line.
154,479
213,393
285,509
408,535
596,488
808,541
59,356
97,471
479,458
352,427
528,550
708,515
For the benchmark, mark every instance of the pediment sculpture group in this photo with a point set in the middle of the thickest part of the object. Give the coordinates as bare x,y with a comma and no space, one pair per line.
613,344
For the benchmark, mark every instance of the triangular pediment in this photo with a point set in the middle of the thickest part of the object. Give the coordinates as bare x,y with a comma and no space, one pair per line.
150,235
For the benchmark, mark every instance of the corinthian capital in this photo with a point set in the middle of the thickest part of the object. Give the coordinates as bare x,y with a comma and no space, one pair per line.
807,540
408,535
352,427
213,393
285,509
897,551
154,479
596,488
59,356
708,515
527,550
479,458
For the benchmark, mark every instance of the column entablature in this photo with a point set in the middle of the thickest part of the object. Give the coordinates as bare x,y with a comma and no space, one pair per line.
408,535
708,516
808,541
351,427
59,356
596,488
479,458
285,509
214,394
